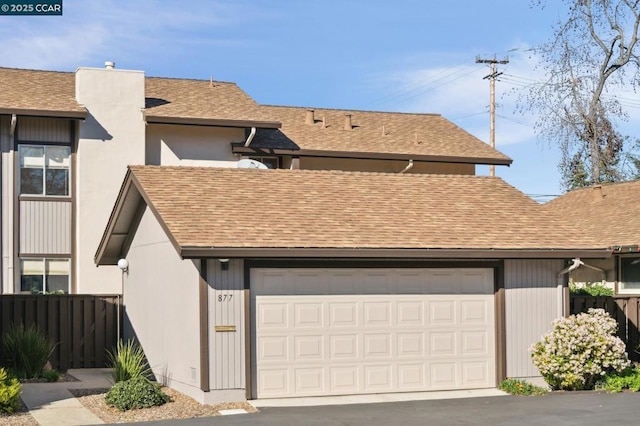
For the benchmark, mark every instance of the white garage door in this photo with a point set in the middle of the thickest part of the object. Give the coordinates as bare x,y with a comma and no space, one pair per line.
355,331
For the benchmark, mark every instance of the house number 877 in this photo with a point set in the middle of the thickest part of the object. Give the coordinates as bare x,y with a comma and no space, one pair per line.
225,297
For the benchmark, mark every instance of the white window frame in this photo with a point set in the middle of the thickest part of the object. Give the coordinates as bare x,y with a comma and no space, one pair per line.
621,287
65,165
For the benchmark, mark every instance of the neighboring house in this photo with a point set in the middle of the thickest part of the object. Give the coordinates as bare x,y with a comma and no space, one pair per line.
67,138
609,213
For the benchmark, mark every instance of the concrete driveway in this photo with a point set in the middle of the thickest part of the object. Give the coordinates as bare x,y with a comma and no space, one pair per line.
576,408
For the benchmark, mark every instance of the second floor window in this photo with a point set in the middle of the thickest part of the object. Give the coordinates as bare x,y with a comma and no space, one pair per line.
44,170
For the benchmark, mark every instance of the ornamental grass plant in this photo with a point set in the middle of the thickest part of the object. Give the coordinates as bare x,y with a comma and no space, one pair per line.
128,362
27,349
580,350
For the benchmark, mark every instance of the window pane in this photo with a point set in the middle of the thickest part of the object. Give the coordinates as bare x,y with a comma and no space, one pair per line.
31,275
57,283
31,156
31,283
630,273
31,181
57,266
57,157
57,182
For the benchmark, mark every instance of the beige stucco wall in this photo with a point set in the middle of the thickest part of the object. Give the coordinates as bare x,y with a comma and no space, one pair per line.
171,145
349,164
111,138
161,307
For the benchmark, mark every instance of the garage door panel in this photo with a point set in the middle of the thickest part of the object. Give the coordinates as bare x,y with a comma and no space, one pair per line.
370,331
442,313
443,375
377,346
377,314
474,373
343,347
410,345
308,315
442,344
274,348
378,378
410,313
343,314
344,379
474,312
309,380
475,343
308,348
411,377
273,315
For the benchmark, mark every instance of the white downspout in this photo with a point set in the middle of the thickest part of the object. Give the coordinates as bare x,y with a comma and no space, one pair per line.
250,138
14,122
560,284
409,166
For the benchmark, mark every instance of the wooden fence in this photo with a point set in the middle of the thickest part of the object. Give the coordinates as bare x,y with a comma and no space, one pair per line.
625,310
83,326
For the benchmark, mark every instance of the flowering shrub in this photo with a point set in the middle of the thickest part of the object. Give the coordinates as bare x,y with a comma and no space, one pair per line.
579,350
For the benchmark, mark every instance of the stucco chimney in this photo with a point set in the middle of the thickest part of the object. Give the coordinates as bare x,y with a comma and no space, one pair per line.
309,117
347,122
109,65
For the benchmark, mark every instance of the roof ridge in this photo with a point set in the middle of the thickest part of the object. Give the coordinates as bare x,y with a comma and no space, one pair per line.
320,172
351,110
35,70
190,79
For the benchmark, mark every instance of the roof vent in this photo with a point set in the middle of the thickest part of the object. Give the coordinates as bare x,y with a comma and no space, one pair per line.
347,122
309,118
597,193
109,65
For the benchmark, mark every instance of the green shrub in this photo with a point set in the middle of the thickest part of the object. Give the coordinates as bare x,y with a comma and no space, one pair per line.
138,392
9,392
51,375
27,350
591,289
579,350
128,362
617,382
520,387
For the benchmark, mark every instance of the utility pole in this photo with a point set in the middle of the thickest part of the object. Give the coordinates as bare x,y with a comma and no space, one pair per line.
492,102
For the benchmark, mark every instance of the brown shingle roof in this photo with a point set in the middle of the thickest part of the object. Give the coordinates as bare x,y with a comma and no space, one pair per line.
200,99
210,207
375,132
608,212
25,91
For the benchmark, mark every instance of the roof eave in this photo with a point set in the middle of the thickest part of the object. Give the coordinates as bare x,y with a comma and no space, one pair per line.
218,122
239,148
373,253
76,115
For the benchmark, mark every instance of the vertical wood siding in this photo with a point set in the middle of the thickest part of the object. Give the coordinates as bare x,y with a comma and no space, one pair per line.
45,227
6,206
531,304
44,130
227,349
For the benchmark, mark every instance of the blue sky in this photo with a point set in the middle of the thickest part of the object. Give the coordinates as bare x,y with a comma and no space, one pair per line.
404,55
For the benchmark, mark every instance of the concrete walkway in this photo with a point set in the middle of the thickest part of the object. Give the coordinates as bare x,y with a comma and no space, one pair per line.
52,403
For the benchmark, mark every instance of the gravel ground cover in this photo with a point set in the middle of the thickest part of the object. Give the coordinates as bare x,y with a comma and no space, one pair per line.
179,407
